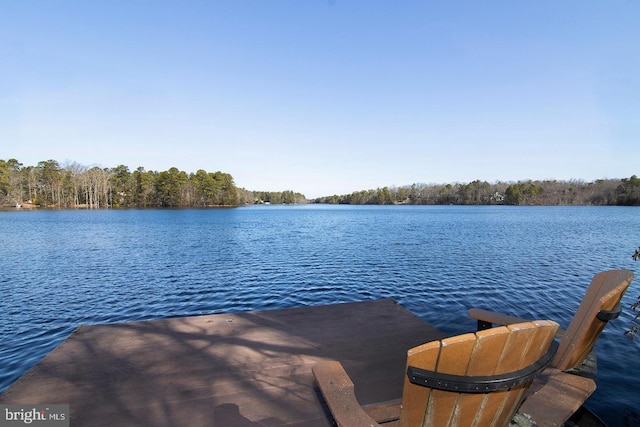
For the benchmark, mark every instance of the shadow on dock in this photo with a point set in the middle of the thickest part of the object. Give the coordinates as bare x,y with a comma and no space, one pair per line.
241,369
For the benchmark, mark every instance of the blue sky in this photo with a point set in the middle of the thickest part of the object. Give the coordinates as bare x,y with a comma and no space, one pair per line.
325,96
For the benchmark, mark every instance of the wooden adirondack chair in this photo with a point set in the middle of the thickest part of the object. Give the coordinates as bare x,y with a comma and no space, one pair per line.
563,387
600,304
468,380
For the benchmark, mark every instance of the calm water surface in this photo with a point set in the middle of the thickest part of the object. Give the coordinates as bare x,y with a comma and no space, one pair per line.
61,269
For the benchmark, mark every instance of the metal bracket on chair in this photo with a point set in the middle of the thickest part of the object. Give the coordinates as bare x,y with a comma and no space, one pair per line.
606,315
483,324
480,384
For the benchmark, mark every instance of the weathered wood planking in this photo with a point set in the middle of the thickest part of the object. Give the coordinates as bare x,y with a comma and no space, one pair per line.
241,369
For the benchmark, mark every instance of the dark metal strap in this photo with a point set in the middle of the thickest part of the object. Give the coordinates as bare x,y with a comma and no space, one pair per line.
606,315
480,384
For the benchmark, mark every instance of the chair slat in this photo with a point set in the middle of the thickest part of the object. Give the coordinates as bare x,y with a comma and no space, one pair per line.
532,350
454,357
414,397
510,360
484,361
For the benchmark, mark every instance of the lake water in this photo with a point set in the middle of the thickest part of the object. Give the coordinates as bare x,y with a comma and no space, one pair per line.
61,269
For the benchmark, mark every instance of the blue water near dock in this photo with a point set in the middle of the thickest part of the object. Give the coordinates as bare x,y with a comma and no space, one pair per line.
61,269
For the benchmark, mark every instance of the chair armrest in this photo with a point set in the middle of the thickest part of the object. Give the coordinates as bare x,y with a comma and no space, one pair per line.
488,318
384,412
558,399
491,317
338,391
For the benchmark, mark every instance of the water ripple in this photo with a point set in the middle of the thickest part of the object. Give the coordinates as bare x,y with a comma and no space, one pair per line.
78,267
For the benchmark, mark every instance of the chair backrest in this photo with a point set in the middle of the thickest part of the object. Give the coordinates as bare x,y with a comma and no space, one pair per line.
483,358
600,304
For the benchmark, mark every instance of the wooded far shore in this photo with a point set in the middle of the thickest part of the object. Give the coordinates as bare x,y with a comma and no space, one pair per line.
602,192
51,185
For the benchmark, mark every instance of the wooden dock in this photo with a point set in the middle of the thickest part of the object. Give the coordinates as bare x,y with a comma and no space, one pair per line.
244,369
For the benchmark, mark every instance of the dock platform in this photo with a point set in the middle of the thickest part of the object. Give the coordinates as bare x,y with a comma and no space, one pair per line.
249,369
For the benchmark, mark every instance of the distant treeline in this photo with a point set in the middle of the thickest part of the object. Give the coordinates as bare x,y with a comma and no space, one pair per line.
601,192
75,186
48,184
